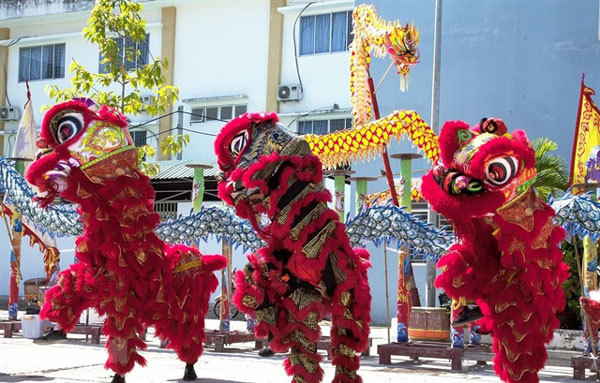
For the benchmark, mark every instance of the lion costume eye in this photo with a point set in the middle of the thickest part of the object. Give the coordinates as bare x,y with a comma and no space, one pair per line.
68,127
238,144
501,170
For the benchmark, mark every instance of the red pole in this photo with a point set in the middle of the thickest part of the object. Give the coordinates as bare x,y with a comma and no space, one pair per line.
403,301
15,265
384,153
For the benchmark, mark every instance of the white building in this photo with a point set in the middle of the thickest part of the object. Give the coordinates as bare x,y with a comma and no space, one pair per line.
227,57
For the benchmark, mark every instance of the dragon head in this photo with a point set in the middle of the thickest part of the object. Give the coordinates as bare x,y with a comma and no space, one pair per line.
479,170
239,146
401,44
77,134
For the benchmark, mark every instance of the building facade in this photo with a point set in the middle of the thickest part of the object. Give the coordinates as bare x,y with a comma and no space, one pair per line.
518,60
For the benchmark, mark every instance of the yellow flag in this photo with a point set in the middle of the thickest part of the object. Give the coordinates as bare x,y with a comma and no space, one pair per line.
585,161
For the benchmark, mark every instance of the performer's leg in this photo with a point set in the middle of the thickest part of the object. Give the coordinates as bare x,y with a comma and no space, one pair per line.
72,294
519,334
349,334
179,316
474,335
122,326
302,334
457,336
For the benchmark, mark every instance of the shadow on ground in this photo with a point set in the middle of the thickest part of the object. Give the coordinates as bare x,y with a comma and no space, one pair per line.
209,380
23,378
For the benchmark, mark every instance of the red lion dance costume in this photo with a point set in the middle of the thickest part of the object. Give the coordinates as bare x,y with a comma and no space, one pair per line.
308,268
506,257
124,271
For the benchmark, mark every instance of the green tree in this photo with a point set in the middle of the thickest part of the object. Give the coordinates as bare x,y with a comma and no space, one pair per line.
552,176
123,78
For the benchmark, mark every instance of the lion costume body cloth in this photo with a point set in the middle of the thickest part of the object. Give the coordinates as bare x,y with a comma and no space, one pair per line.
124,270
308,268
507,256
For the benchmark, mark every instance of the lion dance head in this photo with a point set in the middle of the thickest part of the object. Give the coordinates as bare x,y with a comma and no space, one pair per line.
75,137
244,183
479,170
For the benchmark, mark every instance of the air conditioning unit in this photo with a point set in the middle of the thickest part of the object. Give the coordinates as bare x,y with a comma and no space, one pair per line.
9,113
292,92
146,100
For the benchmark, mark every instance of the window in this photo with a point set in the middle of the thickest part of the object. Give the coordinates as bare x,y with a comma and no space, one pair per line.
166,210
129,57
323,126
139,137
421,211
331,32
211,113
42,62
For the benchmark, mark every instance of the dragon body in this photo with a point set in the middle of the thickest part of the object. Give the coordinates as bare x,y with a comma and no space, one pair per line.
367,138
124,270
307,268
507,257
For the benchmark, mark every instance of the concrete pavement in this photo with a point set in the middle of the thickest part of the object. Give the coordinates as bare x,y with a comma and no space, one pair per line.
78,361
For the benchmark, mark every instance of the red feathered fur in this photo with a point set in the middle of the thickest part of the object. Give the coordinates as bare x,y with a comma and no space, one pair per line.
514,271
124,270
280,273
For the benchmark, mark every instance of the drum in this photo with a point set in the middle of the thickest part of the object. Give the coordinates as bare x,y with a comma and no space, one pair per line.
429,323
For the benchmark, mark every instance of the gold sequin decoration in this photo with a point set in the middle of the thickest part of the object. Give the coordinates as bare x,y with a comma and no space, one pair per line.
338,274
545,329
345,298
249,301
541,240
313,248
520,375
129,192
304,297
190,265
133,213
82,193
348,314
545,263
527,317
266,315
516,245
181,302
141,256
500,307
119,303
101,215
343,370
511,355
310,217
298,358
82,246
300,339
283,216
512,212
457,282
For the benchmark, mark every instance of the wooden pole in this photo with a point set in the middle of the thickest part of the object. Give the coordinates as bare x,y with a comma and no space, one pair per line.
225,291
387,293
16,235
408,294
384,152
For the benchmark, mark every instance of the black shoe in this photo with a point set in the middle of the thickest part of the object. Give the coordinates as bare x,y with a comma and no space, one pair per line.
190,373
467,316
266,352
51,337
118,379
